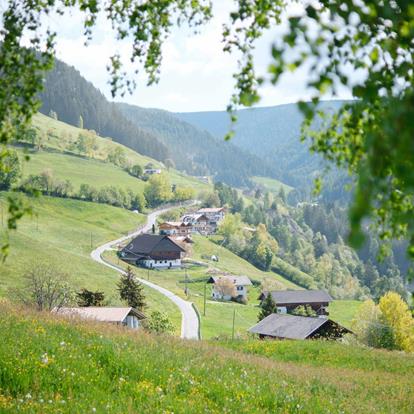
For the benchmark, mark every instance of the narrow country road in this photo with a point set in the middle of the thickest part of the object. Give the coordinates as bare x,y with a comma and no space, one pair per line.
189,319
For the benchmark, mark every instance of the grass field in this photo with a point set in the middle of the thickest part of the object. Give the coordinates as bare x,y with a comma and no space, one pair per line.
56,366
63,232
343,311
272,185
81,170
58,137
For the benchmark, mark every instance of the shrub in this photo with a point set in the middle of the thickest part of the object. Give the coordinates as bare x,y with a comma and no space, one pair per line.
159,323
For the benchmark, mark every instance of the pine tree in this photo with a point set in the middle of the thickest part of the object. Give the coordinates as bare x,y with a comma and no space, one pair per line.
87,298
268,307
131,290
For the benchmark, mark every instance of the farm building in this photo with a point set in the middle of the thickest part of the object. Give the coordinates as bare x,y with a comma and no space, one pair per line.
227,287
282,326
128,317
153,251
175,228
288,300
215,215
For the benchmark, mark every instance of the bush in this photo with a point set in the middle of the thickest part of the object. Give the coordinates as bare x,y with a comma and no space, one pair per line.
159,323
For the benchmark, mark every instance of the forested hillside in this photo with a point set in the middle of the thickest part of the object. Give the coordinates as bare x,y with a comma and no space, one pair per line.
196,151
158,134
272,133
306,244
71,97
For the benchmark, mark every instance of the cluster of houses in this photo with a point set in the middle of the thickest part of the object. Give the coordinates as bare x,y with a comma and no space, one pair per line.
166,251
205,221
281,325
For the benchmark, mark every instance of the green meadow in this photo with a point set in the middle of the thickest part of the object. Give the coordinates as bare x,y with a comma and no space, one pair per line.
52,365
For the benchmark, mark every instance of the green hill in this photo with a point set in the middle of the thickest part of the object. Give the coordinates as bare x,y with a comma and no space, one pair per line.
59,156
50,365
63,232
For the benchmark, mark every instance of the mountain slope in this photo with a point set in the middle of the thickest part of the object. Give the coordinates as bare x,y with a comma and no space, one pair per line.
271,133
68,94
196,151
158,134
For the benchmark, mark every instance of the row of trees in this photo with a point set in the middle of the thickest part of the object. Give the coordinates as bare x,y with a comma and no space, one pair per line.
157,191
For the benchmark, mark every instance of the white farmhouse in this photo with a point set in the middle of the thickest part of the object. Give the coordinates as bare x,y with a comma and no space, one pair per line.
229,287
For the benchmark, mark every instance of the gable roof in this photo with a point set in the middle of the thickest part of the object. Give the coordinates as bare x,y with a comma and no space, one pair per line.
145,244
210,210
298,296
288,326
195,217
237,280
101,314
175,224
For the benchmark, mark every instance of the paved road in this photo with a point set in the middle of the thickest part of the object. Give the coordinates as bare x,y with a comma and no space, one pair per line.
189,319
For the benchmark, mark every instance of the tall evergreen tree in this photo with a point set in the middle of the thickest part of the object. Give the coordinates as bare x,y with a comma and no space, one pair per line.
268,307
131,290
87,298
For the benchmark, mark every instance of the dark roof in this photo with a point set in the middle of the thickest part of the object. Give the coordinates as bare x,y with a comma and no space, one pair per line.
237,280
298,296
288,326
145,244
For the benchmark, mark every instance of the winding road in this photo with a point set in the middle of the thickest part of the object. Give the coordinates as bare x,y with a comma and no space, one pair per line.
189,319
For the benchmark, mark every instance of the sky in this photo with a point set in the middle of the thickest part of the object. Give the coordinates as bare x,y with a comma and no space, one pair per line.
196,75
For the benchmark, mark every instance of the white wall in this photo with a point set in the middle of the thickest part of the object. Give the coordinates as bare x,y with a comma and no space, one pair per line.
162,264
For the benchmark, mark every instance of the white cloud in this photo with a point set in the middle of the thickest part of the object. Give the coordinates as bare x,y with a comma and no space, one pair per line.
195,74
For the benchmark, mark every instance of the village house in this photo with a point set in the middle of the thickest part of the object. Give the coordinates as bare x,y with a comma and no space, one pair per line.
153,251
282,326
226,287
175,228
287,300
128,317
199,223
214,214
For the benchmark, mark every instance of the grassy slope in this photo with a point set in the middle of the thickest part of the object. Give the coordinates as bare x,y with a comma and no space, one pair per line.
51,366
343,311
59,136
60,233
272,185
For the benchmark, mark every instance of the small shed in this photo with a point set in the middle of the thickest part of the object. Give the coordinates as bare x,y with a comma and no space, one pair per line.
282,326
128,317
